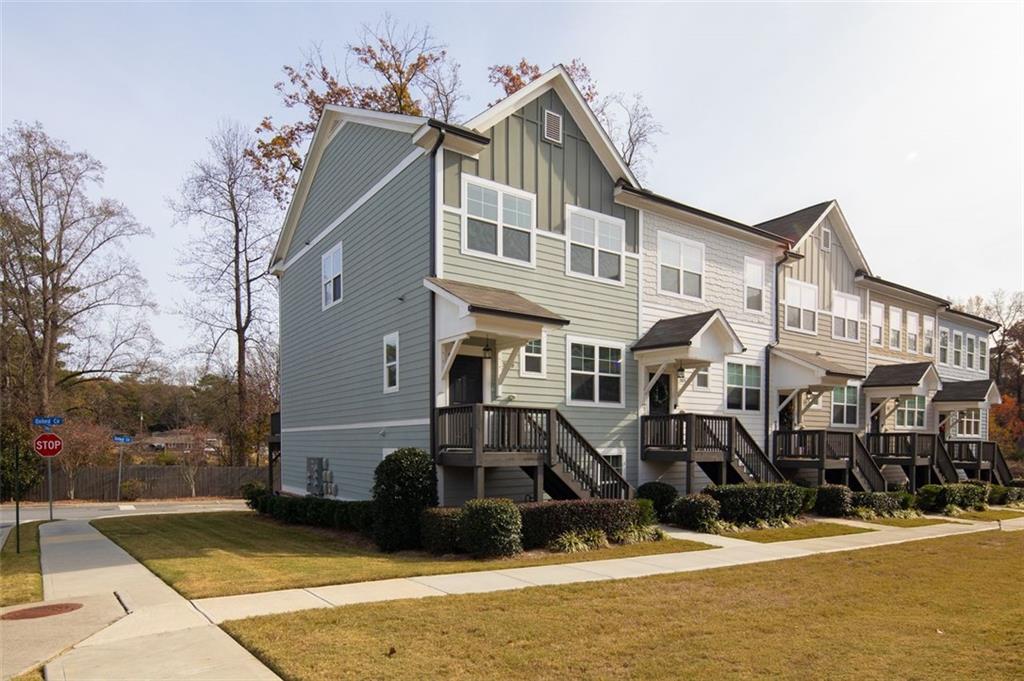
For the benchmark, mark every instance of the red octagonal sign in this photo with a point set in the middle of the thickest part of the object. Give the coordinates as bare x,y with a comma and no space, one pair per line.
48,444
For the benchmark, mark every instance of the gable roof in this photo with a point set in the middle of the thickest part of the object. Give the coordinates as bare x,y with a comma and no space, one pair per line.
817,360
494,301
680,331
893,375
796,227
966,391
558,79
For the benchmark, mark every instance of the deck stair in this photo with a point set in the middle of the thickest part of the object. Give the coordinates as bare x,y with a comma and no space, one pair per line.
895,476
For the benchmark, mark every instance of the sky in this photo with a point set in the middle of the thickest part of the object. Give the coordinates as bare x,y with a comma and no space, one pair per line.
910,115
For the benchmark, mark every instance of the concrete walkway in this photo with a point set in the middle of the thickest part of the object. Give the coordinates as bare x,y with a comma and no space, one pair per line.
728,552
162,636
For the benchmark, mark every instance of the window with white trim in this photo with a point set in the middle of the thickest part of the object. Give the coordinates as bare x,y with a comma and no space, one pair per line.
616,456
680,266
531,358
895,328
971,344
330,277
742,387
391,362
801,306
595,373
968,423
982,354
595,247
845,401
703,380
958,349
499,221
910,411
845,316
826,238
753,279
877,323
929,336
943,345
913,330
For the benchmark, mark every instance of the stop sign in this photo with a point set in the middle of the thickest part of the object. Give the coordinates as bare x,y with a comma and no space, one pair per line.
48,444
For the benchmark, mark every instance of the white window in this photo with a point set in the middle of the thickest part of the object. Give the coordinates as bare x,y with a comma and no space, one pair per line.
552,127
595,245
680,266
971,342
801,306
895,328
844,405
753,276
968,423
943,345
982,354
877,321
929,336
616,456
845,316
595,373
958,349
330,277
742,387
826,238
910,412
913,330
391,362
703,381
531,358
499,221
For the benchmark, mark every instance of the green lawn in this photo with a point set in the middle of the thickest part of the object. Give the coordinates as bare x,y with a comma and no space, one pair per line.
21,579
941,608
221,554
990,514
907,522
808,530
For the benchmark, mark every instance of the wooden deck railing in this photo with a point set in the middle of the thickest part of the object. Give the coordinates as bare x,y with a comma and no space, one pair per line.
965,452
666,431
866,465
753,457
890,444
944,463
704,434
812,444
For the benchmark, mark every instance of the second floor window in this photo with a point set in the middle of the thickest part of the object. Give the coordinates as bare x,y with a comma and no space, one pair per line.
943,345
929,335
595,373
801,306
499,221
982,354
330,277
753,277
970,351
958,349
391,362
913,329
845,316
910,412
895,328
595,245
877,323
680,266
742,386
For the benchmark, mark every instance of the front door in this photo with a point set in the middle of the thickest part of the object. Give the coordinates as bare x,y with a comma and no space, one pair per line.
787,418
466,380
876,418
659,401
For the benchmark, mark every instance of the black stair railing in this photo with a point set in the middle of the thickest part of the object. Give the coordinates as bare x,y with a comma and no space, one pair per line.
753,457
866,465
943,463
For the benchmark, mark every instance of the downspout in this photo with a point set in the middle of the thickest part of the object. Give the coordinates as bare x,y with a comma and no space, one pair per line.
433,298
786,257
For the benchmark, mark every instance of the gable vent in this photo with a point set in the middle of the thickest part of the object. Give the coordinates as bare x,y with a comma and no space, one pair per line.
552,127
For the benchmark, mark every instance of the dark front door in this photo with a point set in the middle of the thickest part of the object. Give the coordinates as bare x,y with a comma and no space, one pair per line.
466,380
659,403
787,419
876,418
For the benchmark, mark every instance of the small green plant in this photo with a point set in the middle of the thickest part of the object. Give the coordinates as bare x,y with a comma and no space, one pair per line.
568,542
595,538
661,495
491,528
131,490
698,512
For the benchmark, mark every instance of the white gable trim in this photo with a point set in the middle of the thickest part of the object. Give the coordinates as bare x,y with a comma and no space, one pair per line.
841,230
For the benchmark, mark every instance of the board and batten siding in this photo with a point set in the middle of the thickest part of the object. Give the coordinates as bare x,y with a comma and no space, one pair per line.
332,399
830,270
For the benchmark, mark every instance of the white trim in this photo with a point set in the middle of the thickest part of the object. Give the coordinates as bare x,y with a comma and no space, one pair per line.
983,356
543,373
970,354
952,358
916,349
391,338
923,411
439,214
747,262
596,343
846,299
928,324
329,255
499,223
683,244
897,311
832,405
596,247
359,426
948,346
880,308
356,205
826,230
801,286
544,126
725,385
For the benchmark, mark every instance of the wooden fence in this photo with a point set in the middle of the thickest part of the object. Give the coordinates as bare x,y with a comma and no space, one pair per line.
156,482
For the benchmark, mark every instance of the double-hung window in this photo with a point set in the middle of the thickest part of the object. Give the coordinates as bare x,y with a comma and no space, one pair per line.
971,342
958,349
742,386
895,328
330,277
801,306
910,412
982,354
913,330
968,423
680,266
499,221
943,345
753,289
391,362
595,248
531,359
844,405
703,380
929,336
845,316
877,323
595,373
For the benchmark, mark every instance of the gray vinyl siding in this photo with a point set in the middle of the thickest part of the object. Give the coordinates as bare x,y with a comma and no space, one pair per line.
949,372
569,173
357,157
332,360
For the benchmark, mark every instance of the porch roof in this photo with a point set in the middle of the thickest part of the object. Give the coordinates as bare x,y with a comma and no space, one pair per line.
691,340
967,395
898,375
798,370
821,362
493,301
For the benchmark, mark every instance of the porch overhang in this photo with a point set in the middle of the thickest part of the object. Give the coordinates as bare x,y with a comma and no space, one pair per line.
795,370
693,341
966,395
895,380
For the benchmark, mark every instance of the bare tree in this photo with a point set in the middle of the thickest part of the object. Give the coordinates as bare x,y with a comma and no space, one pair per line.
195,455
74,295
226,263
86,444
443,90
1005,308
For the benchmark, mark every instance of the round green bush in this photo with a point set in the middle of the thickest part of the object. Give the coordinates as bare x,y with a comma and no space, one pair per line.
491,527
131,490
748,504
698,512
834,501
809,500
661,495
439,529
930,497
404,484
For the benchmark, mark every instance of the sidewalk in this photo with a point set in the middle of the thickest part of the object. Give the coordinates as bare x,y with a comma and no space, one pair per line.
162,636
729,552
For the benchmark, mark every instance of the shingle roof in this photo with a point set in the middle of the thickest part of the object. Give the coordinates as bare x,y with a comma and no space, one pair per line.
964,391
900,287
795,225
497,301
897,374
675,332
831,368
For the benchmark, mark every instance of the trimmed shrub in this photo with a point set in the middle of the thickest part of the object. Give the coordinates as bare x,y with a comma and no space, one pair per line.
131,490
404,484
904,498
661,495
965,495
878,503
930,497
439,529
252,493
544,521
810,499
490,527
353,515
698,512
834,501
747,504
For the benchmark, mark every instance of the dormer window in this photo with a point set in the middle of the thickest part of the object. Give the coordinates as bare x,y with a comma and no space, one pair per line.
552,127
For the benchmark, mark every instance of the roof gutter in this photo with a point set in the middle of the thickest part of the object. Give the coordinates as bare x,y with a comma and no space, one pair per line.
433,296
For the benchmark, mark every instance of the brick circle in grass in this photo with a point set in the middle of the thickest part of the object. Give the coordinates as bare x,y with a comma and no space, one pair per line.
48,610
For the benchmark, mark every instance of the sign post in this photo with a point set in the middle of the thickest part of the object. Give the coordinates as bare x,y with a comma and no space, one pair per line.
17,498
49,445
121,440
